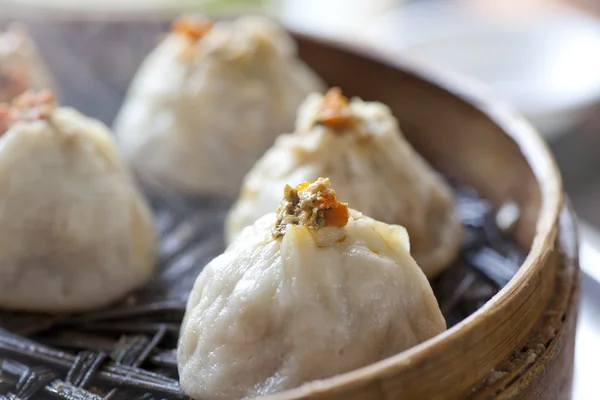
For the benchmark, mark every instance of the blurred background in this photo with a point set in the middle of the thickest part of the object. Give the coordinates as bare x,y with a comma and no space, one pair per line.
542,56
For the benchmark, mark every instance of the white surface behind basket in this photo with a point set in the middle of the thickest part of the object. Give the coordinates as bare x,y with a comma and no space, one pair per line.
587,346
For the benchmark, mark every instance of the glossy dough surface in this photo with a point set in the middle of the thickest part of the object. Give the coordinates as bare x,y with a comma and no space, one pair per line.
200,113
371,165
21,67
269,315
76,234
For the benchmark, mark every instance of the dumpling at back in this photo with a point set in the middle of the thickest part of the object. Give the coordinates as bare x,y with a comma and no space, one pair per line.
209,100
21,67
358,145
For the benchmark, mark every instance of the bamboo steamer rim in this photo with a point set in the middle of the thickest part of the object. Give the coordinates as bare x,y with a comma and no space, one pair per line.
545,170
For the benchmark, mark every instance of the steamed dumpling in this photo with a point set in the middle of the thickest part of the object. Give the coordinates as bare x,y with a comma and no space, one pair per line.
76,234
21,68
359,147
208,101
306,293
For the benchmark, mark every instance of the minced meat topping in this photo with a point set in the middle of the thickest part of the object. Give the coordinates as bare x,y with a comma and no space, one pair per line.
313,205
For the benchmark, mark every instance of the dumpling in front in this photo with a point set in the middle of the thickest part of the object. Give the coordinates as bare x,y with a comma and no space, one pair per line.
313,290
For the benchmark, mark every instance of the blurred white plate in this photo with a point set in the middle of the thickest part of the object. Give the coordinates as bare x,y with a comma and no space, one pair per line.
587,347
545,63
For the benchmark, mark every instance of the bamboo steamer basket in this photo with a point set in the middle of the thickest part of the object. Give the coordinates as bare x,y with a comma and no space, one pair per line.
520,344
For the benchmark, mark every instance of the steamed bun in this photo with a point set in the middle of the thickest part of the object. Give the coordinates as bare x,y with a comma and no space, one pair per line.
359,146
314,290
76,234
21,68
208,101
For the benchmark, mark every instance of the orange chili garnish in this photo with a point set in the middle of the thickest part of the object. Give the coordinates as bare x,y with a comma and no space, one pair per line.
192,27
326,200
335,111
337,215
